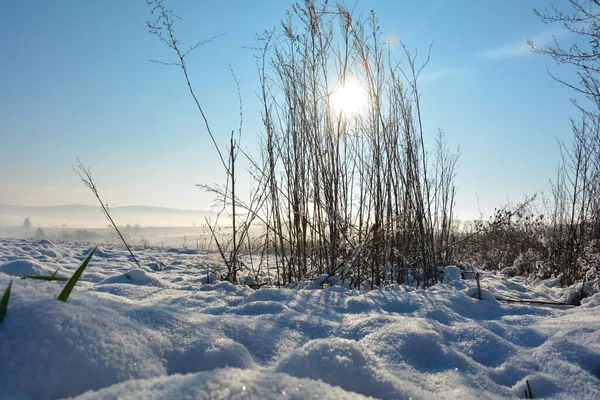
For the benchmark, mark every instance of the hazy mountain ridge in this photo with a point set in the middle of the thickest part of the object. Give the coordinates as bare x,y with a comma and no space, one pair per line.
85,216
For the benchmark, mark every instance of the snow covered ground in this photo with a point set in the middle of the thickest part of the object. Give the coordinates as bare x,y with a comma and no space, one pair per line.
128,333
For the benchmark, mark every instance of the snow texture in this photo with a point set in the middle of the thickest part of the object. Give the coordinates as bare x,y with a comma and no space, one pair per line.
178,332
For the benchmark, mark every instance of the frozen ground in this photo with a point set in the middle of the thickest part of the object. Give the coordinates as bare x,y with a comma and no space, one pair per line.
130,334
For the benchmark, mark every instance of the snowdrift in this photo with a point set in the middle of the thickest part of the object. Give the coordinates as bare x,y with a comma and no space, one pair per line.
133,333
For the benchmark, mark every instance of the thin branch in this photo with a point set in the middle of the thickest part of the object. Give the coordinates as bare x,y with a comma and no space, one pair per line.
86,178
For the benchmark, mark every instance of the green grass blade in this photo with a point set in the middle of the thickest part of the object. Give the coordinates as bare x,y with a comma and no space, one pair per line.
4,302
46,278
64,295
52,277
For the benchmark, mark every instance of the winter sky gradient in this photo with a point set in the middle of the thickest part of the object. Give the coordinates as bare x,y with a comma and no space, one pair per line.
75,81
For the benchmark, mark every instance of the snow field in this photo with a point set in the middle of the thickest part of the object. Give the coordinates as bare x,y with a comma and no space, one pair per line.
132,333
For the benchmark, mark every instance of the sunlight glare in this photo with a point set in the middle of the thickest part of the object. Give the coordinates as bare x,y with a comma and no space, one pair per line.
349,99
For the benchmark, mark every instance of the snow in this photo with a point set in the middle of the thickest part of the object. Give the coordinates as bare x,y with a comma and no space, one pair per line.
26,268
452,273
136,277
178,332
221,384
347,364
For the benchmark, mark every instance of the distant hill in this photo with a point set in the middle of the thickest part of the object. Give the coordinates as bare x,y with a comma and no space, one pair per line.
82,216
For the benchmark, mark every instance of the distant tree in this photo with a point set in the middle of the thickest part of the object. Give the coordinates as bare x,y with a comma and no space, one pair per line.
39,234
26,223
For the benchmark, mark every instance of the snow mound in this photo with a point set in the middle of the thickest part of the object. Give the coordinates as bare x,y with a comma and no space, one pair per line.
270,294
226,287
209,278
541,386
341,362
453,277
223,384
206,355
260,308
593,301
26,267
481,345
417,345
105,252
49,253
136,277
486,295
562,354
452,273
54,349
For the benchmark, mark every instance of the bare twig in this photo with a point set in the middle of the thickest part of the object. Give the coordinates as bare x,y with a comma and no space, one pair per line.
163,27
86,178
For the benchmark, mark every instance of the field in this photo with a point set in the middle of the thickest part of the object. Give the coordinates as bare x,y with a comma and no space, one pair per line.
173,330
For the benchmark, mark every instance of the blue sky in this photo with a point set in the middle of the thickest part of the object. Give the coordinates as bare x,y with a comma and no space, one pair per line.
75,81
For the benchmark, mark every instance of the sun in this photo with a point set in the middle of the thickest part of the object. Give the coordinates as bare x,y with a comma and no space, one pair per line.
349,99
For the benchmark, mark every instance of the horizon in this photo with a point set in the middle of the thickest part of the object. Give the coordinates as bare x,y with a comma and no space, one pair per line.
82,216
122,219
78,89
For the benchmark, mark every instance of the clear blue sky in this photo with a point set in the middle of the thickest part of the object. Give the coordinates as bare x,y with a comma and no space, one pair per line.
75,81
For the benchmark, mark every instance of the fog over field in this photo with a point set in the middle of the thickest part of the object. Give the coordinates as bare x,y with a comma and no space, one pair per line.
91,217
157,226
